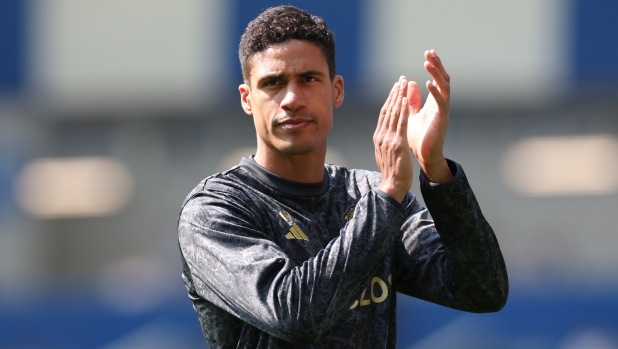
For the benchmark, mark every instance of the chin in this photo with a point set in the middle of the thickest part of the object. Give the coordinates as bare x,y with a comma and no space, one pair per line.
296,148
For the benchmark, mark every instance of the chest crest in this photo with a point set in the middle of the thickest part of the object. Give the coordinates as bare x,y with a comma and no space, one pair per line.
295,232
349,214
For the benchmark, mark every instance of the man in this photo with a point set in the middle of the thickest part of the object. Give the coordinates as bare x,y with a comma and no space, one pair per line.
285,251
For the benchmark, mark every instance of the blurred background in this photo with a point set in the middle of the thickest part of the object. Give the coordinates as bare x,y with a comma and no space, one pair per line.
111,111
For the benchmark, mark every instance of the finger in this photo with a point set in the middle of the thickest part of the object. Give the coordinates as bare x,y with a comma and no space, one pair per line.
396,94
402,126
385,108
414,97
436,94
435,73
396,108
435,60
387,104
439,80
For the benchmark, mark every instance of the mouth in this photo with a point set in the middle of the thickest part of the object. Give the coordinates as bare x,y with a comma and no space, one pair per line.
294,124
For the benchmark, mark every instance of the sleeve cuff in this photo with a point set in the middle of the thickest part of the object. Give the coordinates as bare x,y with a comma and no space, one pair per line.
391,200
456,171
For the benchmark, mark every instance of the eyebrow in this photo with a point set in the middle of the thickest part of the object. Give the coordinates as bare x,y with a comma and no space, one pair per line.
301,75
310,72
271,77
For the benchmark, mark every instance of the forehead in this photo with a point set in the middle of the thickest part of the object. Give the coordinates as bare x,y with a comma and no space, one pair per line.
288,57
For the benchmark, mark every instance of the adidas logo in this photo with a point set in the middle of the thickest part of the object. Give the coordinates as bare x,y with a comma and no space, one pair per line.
295,231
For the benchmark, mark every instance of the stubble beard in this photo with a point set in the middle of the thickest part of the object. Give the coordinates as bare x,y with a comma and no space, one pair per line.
292,144
294,147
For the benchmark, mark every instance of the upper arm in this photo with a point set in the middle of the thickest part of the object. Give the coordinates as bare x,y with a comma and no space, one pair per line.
235,265
422,264
454,260
230,258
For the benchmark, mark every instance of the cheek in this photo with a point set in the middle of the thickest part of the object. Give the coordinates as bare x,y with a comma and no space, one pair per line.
329,125
261,127
327,114
262,118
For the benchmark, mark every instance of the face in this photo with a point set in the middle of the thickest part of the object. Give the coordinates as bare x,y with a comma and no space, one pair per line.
291,98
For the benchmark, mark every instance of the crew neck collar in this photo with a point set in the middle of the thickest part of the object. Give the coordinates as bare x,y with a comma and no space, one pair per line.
284,185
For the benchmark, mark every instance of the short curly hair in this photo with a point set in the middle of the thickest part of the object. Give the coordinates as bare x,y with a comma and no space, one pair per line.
281,24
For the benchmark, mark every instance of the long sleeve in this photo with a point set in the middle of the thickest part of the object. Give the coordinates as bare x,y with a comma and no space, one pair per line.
454,260
233,263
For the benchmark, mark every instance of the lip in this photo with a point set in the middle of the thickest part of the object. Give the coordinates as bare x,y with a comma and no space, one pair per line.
294,124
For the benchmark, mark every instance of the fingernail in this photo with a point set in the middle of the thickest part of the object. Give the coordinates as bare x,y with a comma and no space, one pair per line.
395,86
402,83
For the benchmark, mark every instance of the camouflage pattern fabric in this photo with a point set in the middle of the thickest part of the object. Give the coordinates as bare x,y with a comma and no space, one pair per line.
270,263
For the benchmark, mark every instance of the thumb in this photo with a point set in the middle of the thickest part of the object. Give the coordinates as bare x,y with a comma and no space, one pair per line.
414,97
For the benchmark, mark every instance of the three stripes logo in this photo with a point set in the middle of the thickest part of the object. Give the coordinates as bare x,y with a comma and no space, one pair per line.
295,231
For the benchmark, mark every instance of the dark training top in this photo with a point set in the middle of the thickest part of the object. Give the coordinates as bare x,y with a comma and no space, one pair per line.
269,262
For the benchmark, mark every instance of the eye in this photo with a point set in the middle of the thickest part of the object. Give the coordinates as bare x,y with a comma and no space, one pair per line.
271,83
310,78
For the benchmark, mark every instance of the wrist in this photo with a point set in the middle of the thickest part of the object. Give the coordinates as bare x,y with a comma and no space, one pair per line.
438,172
393,192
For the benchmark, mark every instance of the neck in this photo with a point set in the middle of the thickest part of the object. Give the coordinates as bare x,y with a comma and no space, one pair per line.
303,168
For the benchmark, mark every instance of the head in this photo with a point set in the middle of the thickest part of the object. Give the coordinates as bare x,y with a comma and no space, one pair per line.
290,87
280,24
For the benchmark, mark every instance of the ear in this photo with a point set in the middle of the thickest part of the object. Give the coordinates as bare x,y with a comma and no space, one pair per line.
338,92
245,98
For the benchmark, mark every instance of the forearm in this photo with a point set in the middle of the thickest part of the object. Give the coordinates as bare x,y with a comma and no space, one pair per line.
323,288
293,302
476,268
437,172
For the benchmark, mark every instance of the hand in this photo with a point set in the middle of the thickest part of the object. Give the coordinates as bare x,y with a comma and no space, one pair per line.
427,126
391,143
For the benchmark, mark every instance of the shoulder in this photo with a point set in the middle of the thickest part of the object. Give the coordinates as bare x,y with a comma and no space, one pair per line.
219,202
363,179
224,187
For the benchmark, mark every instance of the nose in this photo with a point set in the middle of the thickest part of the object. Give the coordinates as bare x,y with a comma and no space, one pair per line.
293,98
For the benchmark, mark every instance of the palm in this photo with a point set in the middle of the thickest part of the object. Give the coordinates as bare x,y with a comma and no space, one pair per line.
427,125
426,131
